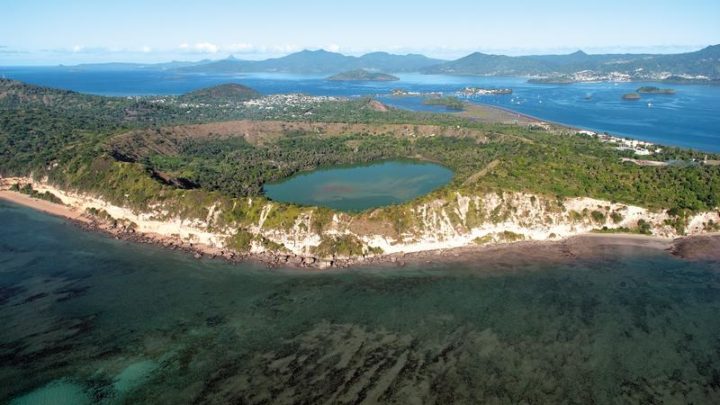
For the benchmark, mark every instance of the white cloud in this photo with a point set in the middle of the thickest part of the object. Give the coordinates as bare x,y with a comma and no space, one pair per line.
146,49
200,47
333,48
239,48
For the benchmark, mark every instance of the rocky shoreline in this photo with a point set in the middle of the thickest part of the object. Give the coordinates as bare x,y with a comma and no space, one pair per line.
699,247
200,251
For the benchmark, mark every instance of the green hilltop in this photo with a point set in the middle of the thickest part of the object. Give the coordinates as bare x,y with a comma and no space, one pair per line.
230,93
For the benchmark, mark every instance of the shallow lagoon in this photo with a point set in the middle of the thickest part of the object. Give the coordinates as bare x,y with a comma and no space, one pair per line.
87,318
357,188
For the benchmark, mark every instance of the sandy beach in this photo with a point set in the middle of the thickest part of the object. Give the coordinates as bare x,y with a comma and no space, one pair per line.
44,206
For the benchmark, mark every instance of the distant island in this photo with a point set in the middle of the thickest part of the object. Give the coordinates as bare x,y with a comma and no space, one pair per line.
698,67
362,75
654,90
631,97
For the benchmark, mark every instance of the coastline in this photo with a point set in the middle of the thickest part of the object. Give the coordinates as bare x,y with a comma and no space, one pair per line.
91,224
586,245
43,206
506,112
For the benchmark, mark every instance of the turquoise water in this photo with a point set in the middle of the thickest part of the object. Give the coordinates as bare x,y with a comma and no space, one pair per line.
89,319
357,188
689,118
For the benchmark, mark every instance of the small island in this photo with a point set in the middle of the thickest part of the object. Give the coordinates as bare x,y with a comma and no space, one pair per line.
451,103
363,75
223,93
552,80
479,91
654,90
631,97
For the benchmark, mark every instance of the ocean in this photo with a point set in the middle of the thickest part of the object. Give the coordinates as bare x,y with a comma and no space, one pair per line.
690,118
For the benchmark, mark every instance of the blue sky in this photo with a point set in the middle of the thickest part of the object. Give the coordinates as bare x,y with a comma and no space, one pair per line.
55,31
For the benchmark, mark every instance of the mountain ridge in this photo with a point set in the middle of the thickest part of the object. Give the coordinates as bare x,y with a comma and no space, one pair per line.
702,65
318,62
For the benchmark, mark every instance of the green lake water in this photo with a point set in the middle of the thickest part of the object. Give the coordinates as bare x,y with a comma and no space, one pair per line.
357,188
89,319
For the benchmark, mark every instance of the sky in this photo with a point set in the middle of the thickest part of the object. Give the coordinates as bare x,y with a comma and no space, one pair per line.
36,32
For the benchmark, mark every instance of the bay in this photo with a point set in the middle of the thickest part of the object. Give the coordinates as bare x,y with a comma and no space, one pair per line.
690,118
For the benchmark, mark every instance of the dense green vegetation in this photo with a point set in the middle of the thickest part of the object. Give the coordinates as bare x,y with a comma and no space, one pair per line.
224,93
41,127
28,189
237,168
585,167
534,161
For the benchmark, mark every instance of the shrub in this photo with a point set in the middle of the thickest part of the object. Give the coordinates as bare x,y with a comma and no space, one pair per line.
644,227
597,216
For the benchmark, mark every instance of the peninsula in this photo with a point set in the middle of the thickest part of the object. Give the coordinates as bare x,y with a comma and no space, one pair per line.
188,172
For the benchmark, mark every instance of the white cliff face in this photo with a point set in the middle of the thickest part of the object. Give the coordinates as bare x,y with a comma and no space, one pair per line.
191,231
496,218
439,224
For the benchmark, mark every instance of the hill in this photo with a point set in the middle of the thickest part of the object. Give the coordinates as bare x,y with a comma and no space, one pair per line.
702,65
224,93
363,75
